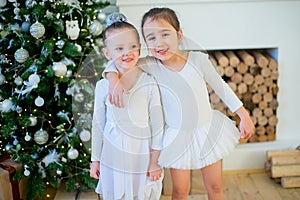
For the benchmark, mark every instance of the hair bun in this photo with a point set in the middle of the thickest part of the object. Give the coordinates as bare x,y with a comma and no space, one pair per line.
115,17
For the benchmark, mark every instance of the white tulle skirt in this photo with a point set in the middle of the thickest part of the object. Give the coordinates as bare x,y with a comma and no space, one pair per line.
203,146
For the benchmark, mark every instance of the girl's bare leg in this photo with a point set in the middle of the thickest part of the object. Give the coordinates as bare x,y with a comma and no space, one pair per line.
181,183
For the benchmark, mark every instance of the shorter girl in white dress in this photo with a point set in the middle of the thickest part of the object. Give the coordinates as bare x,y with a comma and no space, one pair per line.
126,142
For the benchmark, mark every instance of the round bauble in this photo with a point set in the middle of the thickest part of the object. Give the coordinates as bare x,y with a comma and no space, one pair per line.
59,68
33,120
34,79
7,105
96,28
39,101
101,16
8,147
27,138
21,55
41,136
3,3
37,30
18,81
73,153
85,135
26,172
25,26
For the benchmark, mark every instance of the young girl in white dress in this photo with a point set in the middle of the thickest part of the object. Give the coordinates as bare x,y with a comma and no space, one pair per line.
126,142
196,137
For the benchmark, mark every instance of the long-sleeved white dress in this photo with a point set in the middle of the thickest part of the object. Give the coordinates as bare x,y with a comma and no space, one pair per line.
122,140
195,134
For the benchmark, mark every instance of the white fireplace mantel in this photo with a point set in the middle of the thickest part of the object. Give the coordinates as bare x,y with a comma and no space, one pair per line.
245,24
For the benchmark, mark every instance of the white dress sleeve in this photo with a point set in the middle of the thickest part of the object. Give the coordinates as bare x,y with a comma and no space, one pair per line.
99,120
110,67
156,116
216,82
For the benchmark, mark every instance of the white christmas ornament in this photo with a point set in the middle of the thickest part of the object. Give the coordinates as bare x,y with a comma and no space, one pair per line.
34,79
2,3
21,55
7,105
18,81
39,101
73,153
85,135
101,16
59,68
96,28
26,172
41,136
72,29
33,120
27,137
37,30
58,172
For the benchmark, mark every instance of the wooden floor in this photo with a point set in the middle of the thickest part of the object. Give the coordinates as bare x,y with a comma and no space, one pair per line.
237,186
250,186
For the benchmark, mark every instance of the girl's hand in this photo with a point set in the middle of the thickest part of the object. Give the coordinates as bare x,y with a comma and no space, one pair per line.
247,127
95,169
116,90
154,171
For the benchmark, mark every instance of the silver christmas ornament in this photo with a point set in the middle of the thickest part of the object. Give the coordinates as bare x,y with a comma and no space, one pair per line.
37,30
27,137
96,28
59,68
85,135
101,16
18,81
21,55
34,79
41,136
3,3
33,120
39,101
7,105
73,153
26,172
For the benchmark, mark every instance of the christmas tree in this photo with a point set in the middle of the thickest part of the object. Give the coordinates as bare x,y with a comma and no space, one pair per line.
49,63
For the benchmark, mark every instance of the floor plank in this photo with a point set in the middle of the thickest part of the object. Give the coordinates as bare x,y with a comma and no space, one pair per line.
268,186
248,188
231,188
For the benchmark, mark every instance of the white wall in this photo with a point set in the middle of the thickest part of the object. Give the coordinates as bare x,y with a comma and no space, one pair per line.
234,24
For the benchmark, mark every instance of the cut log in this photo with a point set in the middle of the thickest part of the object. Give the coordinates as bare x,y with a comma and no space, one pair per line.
233,59
246,57
213,60
259,79
272,120
228,71
272,153
242,88
237,78
285,170
285,160
248,79
290,182
242,68
221,58
260,59
220,70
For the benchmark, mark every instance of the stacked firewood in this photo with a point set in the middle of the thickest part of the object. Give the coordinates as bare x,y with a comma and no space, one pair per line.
252,75
284,167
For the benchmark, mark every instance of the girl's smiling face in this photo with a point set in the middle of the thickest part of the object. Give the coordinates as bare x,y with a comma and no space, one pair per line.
161,38
123,47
